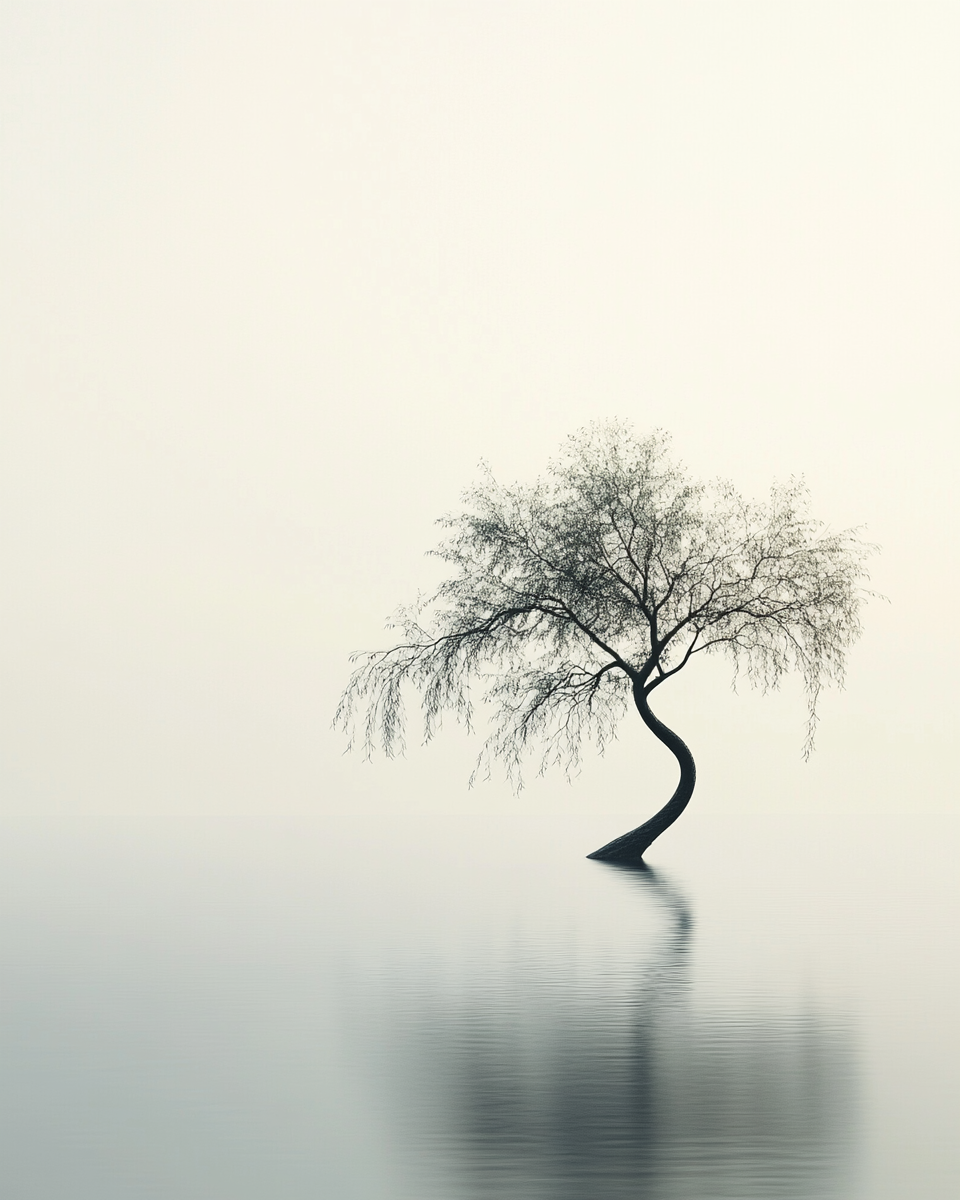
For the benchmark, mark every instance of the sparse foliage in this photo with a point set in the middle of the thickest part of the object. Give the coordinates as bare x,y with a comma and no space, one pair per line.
600,581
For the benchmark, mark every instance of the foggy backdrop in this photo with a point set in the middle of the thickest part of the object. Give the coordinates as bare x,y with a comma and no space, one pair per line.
276,277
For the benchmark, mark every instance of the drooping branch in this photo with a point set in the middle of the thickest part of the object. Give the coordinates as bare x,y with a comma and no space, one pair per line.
612,571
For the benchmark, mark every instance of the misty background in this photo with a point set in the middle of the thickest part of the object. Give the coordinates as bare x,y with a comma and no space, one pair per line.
277,277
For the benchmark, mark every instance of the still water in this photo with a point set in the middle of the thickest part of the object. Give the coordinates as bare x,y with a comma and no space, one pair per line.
445,1008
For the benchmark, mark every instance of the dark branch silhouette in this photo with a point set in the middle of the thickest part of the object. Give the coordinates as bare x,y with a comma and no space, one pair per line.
593,586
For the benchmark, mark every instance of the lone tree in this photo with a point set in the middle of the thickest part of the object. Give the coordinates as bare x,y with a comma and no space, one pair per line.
599,583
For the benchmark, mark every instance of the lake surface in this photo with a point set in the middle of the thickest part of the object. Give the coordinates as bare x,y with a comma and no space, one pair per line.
466,1007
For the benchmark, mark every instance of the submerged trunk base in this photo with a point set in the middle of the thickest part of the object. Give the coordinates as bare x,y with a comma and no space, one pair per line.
629,847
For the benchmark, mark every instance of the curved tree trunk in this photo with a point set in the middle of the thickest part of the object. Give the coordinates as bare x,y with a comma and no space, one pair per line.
630,846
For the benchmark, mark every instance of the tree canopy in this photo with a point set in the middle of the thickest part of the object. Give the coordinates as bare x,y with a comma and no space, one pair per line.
599,582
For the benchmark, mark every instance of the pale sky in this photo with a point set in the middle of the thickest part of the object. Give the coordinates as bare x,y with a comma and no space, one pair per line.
277,277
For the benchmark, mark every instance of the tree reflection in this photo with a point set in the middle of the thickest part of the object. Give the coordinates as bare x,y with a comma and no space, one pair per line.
643,1094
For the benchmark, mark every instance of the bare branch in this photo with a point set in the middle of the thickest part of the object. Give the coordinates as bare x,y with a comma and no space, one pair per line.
614,568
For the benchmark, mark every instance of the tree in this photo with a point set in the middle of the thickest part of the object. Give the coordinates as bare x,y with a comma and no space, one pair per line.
597,584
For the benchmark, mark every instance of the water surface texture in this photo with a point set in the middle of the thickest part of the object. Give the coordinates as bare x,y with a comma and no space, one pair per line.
440,1007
